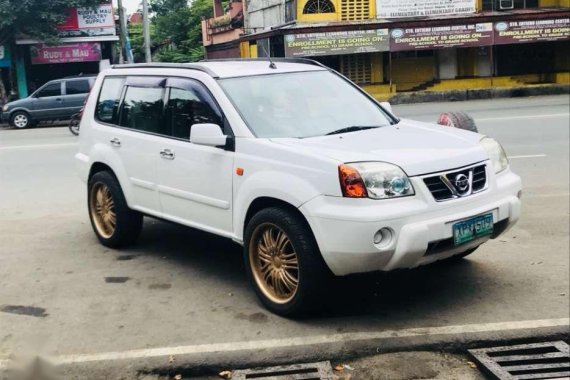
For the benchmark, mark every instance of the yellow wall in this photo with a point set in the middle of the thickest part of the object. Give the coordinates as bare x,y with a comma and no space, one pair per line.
377,67
324,17
411,72
554,3
244,49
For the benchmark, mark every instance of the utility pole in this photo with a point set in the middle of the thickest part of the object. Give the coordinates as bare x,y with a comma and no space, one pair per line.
146,32
123,30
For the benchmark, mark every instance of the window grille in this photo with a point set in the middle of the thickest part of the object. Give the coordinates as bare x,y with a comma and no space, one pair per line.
357,67
318,6
354,9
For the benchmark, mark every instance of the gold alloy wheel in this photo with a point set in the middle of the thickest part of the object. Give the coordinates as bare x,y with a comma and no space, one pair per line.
274,263
102,208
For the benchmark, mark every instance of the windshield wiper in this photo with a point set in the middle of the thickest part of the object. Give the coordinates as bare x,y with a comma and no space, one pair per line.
354,128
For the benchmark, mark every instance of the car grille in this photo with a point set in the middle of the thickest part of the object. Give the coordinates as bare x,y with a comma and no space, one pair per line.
444,186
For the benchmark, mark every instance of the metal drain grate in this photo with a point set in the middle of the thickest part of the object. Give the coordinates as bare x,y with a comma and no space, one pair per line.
548,360
311,371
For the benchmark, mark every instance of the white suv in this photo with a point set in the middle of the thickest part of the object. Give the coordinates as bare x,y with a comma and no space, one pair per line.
293,161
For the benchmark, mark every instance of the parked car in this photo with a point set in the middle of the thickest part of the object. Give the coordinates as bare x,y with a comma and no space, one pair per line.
294,162
56,100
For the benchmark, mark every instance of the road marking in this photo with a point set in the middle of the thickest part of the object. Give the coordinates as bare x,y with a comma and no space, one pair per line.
527,156
287,343
40,146
523,117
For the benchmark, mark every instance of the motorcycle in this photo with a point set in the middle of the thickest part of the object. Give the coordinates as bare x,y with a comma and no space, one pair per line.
75,122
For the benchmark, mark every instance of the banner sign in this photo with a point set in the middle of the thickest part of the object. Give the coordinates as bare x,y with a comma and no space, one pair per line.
517,32
88,22
81,52
5,56
423,8
439,37
337,43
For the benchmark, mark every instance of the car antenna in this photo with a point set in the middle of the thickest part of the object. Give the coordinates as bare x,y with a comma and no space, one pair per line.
271,63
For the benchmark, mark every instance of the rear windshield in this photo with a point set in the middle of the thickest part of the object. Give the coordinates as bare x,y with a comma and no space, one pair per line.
302,104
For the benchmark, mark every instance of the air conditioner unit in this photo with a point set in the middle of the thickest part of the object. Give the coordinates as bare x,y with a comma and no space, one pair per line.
506,4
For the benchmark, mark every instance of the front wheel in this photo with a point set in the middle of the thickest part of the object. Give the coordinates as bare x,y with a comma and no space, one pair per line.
283,262
113,222
21,120
74,124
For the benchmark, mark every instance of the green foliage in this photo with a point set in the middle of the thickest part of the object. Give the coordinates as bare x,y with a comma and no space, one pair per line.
178,30
35,18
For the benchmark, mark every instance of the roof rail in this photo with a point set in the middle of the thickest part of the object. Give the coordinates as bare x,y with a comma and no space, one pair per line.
158,65
306,61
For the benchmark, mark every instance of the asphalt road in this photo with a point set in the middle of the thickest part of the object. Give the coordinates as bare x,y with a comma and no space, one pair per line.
62,292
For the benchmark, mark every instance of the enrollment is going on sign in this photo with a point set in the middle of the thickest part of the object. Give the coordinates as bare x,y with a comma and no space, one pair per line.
337,43
439,37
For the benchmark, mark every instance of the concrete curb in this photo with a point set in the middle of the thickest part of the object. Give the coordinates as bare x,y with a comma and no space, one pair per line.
478,94
208,358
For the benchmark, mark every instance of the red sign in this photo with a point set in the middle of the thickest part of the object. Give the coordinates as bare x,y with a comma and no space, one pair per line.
81,52
439,37
517,32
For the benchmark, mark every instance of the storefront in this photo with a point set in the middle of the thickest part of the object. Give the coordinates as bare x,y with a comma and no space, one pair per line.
5,68
86,43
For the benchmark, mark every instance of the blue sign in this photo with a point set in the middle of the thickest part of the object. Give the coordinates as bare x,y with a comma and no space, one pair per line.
5,60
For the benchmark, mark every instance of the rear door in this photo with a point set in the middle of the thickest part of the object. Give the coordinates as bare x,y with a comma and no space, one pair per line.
76,90
48,102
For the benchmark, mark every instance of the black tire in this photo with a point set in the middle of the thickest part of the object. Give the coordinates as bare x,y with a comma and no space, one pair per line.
459,120
21,120
74,124
128,223
313,274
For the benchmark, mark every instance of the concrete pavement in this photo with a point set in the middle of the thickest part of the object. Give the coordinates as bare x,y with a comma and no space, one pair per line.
182,288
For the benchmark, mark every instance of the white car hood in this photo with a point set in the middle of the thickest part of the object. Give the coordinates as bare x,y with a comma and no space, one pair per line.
418,148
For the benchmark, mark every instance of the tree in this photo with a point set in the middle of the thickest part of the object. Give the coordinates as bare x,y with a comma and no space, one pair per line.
35,18
178,29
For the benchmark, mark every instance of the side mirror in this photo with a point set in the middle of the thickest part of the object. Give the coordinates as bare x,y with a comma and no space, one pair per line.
208,134
387,106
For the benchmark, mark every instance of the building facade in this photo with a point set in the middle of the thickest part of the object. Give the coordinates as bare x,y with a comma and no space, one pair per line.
413,45
85,44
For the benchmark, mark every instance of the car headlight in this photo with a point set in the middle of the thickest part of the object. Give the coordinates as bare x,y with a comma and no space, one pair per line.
496,154
376,180
5,108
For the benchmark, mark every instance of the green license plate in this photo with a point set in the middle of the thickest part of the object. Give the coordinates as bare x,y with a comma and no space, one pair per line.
473,228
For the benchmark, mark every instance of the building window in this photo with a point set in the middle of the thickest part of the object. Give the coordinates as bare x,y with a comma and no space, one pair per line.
354,10
498,5
318,6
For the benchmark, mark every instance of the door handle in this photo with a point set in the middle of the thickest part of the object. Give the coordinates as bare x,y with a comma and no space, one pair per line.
115,142
167,154
58,99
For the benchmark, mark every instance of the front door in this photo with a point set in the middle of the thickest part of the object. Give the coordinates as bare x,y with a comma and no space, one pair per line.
194,181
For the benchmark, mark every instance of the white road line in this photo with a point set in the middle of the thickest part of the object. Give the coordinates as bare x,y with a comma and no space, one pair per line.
523,117
40,146
498,327
527,156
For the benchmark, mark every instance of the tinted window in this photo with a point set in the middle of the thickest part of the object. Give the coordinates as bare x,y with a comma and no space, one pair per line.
77,87
109,97
142,109
53,89
188,107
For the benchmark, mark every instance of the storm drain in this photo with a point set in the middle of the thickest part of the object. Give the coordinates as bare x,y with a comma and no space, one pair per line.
311,371
549,360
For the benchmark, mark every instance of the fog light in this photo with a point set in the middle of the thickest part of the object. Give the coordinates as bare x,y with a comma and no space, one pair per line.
383,237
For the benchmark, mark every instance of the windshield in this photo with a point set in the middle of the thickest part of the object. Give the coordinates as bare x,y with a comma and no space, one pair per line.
302,104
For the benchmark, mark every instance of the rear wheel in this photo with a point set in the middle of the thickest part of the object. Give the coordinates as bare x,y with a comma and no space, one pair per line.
283,262
114,223
459,120
74,124
21,119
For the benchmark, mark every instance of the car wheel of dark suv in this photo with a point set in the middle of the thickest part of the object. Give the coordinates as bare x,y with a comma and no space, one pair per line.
21,119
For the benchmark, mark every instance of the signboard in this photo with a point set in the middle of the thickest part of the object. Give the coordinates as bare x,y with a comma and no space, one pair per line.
336,43
423,8
80,52
517,32
4,56
88,22
439,37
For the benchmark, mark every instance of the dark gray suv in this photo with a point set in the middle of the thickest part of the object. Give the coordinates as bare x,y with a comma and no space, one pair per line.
56,100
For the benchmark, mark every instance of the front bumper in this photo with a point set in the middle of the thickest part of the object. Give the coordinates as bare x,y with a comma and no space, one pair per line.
421,227
4,117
